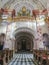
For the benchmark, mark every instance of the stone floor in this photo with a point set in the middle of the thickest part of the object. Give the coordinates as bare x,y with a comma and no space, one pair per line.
22,59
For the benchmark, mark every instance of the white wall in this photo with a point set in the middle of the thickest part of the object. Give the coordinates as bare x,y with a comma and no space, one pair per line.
38,35
9,43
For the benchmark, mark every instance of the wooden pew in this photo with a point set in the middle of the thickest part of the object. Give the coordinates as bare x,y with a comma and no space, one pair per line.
1,57
41,56
8,55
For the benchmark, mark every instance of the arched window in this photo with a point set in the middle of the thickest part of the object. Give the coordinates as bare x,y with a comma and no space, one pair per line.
46,40
2,37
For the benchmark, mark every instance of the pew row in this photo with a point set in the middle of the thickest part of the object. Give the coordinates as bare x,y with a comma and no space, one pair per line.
41,57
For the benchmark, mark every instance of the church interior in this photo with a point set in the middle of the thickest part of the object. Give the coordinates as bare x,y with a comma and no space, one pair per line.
24,32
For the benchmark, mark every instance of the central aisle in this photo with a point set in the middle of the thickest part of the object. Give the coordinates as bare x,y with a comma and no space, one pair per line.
22,59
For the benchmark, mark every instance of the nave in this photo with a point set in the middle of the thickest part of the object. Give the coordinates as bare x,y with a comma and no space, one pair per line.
22,59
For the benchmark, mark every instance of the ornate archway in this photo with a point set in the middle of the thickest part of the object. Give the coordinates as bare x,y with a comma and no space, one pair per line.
24,39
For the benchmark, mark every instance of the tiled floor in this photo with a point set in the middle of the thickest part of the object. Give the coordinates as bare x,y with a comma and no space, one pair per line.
22,59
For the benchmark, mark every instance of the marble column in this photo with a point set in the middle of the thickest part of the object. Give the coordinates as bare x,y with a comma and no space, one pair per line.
31,46
15,46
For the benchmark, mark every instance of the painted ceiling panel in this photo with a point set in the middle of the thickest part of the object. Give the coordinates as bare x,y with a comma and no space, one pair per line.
40,4
18,4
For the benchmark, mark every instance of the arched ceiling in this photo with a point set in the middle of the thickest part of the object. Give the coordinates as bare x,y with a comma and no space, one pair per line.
24,35
34,4
24,30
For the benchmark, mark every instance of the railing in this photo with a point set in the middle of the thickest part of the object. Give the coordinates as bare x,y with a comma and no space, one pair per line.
20,18
15,19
